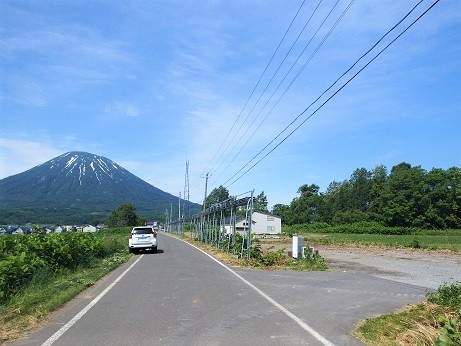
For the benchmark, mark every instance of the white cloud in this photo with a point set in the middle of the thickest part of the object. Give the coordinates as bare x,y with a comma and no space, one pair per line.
129,165
64,57
64,42
17,156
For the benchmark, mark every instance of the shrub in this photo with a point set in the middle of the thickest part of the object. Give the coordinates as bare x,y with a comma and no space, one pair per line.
270,257
447,295
17,270
451,332
415,243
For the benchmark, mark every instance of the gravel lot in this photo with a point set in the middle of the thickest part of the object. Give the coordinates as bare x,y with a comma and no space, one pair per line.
427,269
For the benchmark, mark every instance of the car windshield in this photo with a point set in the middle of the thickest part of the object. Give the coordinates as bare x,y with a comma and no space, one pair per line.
142,231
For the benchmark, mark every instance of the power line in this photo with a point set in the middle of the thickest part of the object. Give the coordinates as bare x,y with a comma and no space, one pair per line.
269,83
326,90
293,80
337,91
257,84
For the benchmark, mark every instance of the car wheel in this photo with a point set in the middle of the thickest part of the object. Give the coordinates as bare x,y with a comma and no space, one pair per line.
154,249
130,250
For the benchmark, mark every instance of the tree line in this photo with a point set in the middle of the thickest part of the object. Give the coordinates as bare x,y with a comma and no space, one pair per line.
406,197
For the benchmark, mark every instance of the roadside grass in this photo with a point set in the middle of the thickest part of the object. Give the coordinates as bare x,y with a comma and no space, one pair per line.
49,289
414,325
268,258
424,240
435,322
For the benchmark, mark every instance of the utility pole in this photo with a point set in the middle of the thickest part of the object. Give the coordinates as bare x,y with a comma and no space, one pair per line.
186,192
250,222
179,218
206,186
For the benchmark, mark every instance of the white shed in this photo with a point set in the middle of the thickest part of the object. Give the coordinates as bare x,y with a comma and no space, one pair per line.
90,228
262,223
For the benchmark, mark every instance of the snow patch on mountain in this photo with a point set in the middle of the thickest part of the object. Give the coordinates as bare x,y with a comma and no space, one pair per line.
85,162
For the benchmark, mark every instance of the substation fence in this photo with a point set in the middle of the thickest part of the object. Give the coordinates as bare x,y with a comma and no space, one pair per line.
217,225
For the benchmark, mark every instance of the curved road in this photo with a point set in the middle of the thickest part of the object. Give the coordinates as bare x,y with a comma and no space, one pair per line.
182,296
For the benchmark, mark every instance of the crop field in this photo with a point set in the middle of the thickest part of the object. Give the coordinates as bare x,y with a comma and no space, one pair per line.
40,272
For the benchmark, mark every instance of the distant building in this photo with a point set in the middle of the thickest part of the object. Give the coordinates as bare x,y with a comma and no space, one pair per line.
90,228
18,231
262,223
24,230
46,229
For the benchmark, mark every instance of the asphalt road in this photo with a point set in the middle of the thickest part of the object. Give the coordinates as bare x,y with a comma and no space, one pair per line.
181,296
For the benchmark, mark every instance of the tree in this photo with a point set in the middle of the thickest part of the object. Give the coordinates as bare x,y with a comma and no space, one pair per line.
218,195
260,203
442,208
308,190
360,189
330,201
307,207
338,203
403,195
407,197
378,180
454,185
283,211
124,215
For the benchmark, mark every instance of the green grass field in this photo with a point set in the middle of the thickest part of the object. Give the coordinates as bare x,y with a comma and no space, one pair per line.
450,241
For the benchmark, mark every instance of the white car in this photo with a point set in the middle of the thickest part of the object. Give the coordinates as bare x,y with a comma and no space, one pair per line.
142,238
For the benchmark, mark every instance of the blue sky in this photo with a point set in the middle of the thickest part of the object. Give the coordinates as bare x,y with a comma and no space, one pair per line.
151,84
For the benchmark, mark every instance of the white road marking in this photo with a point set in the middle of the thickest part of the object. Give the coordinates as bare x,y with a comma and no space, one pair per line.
291,315
287,312
69,324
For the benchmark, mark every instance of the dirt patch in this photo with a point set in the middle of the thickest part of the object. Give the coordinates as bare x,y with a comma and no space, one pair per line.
425,268
410,253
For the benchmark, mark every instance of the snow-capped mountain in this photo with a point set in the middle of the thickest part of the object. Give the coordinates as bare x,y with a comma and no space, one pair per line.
78,185
85,169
